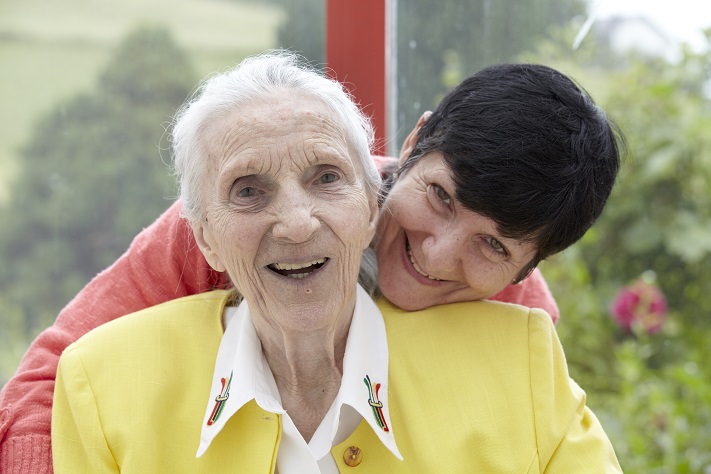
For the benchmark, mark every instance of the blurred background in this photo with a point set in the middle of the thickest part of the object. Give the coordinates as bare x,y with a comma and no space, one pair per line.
88,89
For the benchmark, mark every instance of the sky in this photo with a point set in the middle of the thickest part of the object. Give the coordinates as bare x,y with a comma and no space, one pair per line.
680,19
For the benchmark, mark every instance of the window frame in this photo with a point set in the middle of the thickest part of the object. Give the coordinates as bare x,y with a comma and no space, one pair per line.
358,55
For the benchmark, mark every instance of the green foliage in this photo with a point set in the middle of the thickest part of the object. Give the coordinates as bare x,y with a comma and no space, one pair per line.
50,51
92,175
651,392
304,29
440,43
663,206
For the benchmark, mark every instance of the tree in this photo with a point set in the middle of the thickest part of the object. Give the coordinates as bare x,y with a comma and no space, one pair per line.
441,43
92,176
305,30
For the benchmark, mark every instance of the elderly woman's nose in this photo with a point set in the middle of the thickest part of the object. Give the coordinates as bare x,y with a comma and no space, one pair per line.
296,221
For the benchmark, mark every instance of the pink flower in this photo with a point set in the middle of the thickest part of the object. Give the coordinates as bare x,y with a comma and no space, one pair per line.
640,305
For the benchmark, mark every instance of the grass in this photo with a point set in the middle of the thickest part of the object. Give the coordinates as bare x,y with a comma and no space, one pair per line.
51,50
37,77
204,24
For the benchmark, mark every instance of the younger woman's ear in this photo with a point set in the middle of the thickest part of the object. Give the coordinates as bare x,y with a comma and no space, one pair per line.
411,140
206,243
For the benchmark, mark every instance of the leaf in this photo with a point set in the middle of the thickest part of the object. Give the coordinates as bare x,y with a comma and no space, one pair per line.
641,236
688,237
662,162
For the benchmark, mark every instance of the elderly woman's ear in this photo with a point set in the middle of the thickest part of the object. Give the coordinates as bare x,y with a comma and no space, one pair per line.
373,220
411,139
207,245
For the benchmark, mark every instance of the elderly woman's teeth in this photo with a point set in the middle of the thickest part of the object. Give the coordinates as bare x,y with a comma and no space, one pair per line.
297,270
416,266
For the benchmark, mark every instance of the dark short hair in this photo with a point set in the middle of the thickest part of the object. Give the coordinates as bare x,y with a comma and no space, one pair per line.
529,149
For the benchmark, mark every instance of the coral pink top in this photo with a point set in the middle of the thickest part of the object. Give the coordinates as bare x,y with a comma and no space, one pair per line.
162,263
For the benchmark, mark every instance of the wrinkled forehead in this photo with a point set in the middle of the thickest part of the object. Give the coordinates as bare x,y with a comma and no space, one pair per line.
295,128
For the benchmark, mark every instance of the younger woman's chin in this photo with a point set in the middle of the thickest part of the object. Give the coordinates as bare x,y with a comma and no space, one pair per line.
405,302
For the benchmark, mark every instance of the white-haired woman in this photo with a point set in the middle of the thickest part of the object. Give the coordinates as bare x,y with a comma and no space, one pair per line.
300,376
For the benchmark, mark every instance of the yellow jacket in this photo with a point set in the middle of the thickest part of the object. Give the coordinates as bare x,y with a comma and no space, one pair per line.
474,387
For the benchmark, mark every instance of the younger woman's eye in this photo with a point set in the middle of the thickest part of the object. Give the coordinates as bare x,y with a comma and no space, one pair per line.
497,246
328,178
442,194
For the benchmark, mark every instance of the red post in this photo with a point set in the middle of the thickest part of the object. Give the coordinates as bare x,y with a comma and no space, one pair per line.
355,56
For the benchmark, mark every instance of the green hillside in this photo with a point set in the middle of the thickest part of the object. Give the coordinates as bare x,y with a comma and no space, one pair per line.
50,51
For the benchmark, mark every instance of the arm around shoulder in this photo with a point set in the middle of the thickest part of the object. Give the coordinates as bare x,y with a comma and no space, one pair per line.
162,263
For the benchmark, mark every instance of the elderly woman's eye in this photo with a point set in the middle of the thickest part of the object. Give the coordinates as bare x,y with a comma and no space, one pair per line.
247,192
328,178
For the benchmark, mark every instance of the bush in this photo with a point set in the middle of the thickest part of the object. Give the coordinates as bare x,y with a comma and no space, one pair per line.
650,389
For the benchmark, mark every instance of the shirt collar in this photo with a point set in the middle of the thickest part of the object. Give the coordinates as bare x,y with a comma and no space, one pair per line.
239,376
243,374
364,385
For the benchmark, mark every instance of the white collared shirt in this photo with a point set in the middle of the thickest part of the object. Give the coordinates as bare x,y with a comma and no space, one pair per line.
243,374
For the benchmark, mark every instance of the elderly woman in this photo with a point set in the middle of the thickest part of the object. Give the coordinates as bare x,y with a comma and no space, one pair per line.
301,375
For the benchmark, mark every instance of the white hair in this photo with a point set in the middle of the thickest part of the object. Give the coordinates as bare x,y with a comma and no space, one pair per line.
258,77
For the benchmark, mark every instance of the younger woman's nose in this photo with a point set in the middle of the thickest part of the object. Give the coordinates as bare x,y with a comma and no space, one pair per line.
440,252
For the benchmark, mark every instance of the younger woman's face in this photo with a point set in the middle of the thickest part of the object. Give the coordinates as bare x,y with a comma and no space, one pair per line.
432,250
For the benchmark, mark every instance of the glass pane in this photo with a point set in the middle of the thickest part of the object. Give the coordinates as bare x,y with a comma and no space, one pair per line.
440,43
634,293
88,89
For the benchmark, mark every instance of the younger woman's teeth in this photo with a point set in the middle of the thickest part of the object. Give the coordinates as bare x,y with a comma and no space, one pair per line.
417,267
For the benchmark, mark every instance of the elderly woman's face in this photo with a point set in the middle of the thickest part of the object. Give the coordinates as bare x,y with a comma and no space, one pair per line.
287,213
431,250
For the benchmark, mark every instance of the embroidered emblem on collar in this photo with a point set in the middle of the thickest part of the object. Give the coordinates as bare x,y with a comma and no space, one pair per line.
376,404
220,400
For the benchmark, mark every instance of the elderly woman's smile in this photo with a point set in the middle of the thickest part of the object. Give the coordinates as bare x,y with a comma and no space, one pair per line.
297,270
285,210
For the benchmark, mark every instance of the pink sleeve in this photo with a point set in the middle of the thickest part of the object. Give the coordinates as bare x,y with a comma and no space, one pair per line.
532,292
387,165
162,263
